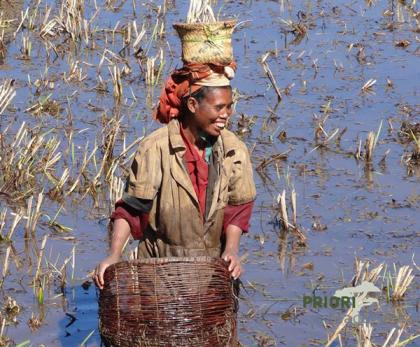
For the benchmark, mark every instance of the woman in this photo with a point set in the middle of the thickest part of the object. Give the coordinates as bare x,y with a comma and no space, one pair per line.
190,190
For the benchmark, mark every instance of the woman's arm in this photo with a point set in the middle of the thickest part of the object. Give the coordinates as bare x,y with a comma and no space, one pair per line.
120,235
236,222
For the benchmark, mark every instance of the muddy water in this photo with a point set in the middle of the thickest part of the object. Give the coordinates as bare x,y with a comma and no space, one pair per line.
346,208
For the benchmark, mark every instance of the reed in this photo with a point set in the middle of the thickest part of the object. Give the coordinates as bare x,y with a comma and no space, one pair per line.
24,15
7,93
369,146
40,255
299,30
12,229
138,37
393,337
5,266
116,190
412,158
283,210
339,328
3,215
284,218
368,86
26,49
82,171
362,272
154,72
321,136
270,75
364,335
75,73
402,281
116,83
33,216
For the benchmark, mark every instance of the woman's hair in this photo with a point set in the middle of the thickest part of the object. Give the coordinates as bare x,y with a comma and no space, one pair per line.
199,95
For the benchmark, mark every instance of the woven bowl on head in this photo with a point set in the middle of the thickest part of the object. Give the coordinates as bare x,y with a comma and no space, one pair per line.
206,42
168,302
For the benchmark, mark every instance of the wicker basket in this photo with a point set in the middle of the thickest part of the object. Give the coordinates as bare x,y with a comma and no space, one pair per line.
168,302
206,42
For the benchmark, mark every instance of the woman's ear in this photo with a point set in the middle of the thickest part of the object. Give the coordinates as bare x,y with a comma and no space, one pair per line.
192,104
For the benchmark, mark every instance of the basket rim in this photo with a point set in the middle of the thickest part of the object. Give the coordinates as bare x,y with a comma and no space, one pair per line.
172,260
229,23
166,260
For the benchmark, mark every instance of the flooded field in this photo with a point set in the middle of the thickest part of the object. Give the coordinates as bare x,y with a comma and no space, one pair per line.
328,103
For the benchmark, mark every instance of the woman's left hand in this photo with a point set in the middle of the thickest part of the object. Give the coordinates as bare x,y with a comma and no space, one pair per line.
234,261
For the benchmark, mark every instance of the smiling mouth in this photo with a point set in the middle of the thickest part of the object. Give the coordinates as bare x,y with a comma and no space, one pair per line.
221,125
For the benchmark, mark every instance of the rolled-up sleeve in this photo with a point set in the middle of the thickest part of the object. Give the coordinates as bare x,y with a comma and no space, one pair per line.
137,220
241,184
238,215
145,173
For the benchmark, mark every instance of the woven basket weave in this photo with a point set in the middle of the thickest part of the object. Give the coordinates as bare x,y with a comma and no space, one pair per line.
168,302
206,42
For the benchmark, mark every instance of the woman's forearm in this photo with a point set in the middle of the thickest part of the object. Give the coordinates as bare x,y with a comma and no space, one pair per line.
120,235
233,238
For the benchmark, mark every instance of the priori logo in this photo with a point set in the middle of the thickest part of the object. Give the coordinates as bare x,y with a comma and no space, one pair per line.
353,298
329,301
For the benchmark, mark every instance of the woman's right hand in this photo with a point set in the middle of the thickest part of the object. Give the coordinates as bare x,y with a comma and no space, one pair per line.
98,276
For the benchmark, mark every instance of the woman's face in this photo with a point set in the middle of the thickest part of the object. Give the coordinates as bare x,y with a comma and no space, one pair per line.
211,113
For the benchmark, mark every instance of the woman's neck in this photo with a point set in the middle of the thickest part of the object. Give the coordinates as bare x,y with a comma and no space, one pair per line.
191,133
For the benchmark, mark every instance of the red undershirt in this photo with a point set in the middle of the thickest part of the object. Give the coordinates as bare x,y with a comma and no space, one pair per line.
198,171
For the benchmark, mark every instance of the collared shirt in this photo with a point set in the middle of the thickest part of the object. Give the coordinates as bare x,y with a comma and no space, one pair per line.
198,170
159,174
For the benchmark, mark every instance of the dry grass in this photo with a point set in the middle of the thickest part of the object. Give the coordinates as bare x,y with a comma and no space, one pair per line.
284,218
322,137
270,75
299,30
368,86
116,190
339,328
393,337
154,71
412,158
362,272
116,83
370,146
7,93
364,335
403,279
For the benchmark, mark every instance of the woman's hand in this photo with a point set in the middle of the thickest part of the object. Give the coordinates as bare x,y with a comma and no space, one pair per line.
234,261
98,275
120,235
233,237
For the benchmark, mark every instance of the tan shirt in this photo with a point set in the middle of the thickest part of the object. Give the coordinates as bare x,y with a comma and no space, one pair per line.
176,226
